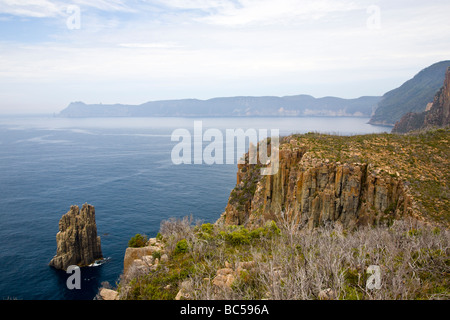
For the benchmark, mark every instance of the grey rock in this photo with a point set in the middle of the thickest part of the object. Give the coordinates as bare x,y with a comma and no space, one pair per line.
77,241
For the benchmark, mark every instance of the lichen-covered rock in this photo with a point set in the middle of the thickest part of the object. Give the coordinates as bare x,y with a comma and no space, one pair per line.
108,294
226,276
77,241
136,255
224,281
143,257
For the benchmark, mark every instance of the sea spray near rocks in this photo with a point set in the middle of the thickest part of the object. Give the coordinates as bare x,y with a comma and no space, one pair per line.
77,240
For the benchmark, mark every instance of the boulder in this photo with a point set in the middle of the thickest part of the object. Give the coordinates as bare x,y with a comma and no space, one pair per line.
132,254
108,294
327,294
224,281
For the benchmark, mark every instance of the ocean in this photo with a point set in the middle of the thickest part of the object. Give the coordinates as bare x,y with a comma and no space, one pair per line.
121,166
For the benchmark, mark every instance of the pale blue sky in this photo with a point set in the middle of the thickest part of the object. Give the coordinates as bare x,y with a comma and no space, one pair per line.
140,50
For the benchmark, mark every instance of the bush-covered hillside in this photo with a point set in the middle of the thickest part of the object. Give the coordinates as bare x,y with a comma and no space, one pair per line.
412,96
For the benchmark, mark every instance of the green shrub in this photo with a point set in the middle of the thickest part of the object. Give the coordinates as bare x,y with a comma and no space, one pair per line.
258,233
205,231
181,247
436,231
159,236
238,237
207,227
222,234
138,241
414,232
269,230
156,255
272,228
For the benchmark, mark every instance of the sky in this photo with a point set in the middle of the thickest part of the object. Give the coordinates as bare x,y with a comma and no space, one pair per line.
131,52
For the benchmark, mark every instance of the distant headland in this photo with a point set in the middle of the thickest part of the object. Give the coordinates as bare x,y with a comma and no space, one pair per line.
269,106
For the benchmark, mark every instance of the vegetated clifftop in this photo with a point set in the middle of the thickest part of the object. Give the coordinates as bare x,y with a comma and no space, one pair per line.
437,116
257,251
77,240
412,96
299,105
357,180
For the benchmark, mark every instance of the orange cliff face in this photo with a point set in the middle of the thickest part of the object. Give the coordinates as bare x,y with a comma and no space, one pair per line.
446,98
311,192
439,114
447,90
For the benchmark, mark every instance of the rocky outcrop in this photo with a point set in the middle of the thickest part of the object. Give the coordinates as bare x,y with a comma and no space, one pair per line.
310,192
226,276
77,241
438,115
108,294
143,259
411,96
223,280
409,122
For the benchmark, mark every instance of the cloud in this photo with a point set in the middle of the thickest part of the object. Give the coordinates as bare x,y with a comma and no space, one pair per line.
244,12
109,5
30,8
51,9
153,45
204,48
198,4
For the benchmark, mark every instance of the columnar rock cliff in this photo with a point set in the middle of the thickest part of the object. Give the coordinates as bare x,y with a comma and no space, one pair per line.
314,192
77,240
437,116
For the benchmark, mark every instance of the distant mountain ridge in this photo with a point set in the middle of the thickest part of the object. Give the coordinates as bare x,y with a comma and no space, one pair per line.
299,105
412,96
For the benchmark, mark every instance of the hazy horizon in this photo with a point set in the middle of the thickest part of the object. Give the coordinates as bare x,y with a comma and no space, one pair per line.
130,52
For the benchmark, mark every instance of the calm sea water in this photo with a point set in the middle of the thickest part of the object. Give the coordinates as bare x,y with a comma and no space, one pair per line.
123,167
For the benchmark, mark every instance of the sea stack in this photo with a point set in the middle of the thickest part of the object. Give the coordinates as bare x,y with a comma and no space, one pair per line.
77,241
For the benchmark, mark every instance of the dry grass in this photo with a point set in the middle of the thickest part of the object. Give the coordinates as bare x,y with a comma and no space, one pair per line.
299,264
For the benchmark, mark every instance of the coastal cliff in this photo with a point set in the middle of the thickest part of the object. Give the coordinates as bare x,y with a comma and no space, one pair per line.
77,240
410,97
314,192
335,207
438,115
354,181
